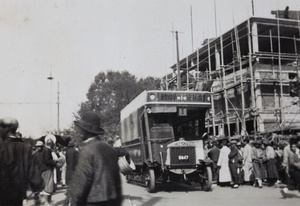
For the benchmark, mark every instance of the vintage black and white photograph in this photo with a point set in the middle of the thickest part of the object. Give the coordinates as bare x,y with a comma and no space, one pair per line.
149,103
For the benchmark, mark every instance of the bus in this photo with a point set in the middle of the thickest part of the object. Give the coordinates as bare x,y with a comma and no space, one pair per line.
163,133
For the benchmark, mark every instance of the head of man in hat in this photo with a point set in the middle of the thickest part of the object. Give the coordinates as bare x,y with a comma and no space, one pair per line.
8,127
257,144
39,145
89,126
223,141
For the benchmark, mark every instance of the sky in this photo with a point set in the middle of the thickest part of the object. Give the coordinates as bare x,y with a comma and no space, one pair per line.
74,40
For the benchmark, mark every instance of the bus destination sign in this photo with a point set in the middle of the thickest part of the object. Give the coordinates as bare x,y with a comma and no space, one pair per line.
178,97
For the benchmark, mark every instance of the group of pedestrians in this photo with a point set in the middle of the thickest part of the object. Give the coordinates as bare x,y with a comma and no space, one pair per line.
255,162
93,176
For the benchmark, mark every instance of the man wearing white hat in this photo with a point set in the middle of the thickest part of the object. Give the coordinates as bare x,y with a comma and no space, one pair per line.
46,164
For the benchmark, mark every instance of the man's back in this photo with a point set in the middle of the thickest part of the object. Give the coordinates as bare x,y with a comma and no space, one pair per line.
97,177
17,170
214,153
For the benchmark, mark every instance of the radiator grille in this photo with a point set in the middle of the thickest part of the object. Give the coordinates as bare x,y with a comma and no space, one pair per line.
183,155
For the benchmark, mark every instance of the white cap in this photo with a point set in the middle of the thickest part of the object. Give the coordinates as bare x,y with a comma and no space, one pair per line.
50,136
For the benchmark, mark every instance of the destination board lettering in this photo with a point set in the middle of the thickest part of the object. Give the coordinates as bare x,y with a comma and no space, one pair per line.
180,97
168,97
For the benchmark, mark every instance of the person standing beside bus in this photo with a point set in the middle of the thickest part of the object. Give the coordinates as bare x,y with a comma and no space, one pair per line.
213,154
223,162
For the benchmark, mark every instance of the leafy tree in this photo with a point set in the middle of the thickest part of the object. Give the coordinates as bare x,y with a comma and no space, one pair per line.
110,93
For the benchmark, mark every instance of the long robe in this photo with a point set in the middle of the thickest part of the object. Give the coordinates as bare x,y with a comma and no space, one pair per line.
271,163
258,156
223,162
248,167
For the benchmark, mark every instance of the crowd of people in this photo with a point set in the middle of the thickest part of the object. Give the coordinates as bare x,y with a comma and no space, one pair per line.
90,169
254,162
92,173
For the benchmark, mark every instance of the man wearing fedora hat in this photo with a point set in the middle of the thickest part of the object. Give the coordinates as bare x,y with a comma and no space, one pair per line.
96,180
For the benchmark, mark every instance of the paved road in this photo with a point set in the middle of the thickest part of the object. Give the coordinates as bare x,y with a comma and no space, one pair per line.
190,195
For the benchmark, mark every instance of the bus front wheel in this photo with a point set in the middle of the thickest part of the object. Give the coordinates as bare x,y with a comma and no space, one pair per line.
150,181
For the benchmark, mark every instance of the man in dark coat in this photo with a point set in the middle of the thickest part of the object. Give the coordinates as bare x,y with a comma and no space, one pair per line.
233,164
96,180
72,155
213,154
17,167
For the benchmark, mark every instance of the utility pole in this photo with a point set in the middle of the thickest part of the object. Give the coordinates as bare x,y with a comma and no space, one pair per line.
252,2
178,64
50,78
58,108
192,35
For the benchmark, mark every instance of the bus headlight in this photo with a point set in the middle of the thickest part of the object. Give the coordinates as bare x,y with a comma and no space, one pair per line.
152,96
149,110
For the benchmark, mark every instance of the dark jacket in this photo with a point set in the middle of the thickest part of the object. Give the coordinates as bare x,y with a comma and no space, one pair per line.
44,159
71,159
96,177
214,153
233,155
19,169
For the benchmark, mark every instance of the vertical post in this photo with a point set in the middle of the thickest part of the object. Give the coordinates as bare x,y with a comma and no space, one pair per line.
280,72
50,78
243,132
187,74
178,64
148,135
233,53
215,8
253,103
192,29
211,92
167,86
252,2
58,130
198,65
224,87
273,71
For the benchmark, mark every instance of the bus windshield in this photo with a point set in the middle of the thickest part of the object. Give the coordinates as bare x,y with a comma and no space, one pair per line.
189,127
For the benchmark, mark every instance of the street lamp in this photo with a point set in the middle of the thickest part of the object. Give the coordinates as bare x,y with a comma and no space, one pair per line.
50,78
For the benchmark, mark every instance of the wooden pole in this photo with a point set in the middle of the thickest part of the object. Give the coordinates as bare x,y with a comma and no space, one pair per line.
178,64
187,73
243,132
211,92
58,130
280,72
224,86
192,35
253,102
198,75
215,8
252,2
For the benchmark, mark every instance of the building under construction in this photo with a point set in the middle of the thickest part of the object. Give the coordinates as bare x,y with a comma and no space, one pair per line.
252,72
